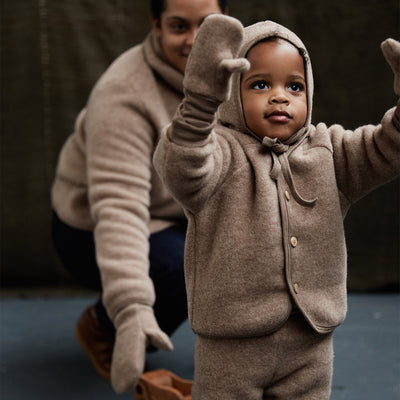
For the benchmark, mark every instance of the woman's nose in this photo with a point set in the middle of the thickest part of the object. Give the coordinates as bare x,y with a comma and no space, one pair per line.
191,35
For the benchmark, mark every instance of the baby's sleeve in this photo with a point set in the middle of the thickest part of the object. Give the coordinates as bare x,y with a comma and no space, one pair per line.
188,157
365,158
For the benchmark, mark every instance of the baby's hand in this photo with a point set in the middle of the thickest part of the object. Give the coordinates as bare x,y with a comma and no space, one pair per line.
213,57
391,51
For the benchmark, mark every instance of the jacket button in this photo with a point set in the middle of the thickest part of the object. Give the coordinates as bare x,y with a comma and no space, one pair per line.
296,288
293,241
287,195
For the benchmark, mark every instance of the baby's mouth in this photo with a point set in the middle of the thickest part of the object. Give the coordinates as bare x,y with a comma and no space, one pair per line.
278,116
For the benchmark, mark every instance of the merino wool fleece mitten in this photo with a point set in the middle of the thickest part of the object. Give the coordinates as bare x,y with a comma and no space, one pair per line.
136,329
391,51
212,59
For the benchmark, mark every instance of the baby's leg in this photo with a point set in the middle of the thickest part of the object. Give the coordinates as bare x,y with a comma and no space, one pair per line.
293,363
305,369
228,370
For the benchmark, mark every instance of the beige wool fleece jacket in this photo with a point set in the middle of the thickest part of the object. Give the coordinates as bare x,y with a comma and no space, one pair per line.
105,180
265,228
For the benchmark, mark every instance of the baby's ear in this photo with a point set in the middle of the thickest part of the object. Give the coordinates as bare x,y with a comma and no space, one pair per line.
391,51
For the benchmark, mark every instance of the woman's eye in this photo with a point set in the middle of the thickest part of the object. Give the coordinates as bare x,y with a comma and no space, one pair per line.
260,85
296,87
178,28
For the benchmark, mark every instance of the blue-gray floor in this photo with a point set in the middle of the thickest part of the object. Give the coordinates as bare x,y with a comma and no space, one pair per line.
39,358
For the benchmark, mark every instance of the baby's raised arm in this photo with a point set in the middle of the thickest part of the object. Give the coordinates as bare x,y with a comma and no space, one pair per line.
186,155
370,156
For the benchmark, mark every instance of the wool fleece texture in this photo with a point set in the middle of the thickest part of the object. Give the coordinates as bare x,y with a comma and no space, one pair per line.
265,233
105,180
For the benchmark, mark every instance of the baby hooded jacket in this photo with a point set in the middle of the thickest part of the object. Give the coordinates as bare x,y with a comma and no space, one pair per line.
265,232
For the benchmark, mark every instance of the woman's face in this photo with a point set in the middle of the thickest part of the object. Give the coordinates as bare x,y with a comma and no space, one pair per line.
178,26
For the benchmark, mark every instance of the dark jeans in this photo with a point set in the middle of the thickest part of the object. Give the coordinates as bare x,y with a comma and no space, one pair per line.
76,249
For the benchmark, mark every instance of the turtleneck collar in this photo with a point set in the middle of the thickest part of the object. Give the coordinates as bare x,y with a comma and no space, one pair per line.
155,57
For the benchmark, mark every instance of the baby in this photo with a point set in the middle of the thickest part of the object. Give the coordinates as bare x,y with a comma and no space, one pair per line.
265,193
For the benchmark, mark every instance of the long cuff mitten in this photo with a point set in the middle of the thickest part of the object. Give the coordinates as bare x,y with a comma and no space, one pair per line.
193,120
212,59
211,63
136,329
391,51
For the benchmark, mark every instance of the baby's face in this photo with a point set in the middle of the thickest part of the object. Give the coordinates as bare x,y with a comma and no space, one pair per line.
273,90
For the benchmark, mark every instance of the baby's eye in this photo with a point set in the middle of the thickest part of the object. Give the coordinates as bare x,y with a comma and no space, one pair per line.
260,85
296,87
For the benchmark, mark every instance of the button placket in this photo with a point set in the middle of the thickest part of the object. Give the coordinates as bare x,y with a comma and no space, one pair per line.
296,288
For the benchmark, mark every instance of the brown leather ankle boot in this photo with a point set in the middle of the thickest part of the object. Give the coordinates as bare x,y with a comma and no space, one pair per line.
96,341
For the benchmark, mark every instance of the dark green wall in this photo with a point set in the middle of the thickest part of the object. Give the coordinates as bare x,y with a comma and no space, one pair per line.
52,52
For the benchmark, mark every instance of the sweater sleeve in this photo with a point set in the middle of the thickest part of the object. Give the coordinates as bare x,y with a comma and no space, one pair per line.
189,157
365,158
120,144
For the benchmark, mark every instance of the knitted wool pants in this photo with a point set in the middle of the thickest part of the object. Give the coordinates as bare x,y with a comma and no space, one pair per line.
293,363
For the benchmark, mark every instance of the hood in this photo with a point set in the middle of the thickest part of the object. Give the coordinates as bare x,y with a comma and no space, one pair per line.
230,113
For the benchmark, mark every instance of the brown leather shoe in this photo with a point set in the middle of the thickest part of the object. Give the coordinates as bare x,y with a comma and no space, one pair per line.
162,384
97,342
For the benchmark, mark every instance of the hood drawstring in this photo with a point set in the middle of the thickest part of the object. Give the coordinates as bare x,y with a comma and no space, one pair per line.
281,164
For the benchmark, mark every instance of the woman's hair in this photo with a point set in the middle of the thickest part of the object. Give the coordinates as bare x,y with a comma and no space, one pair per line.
158,6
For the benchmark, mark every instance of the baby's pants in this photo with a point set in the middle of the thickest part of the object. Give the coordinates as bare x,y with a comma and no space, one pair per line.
293,363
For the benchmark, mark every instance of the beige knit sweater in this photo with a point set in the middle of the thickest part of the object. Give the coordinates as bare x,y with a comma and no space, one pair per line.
266,218
105,180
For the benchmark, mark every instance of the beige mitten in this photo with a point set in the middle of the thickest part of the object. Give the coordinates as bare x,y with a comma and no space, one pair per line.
212,59
391,51
136,329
